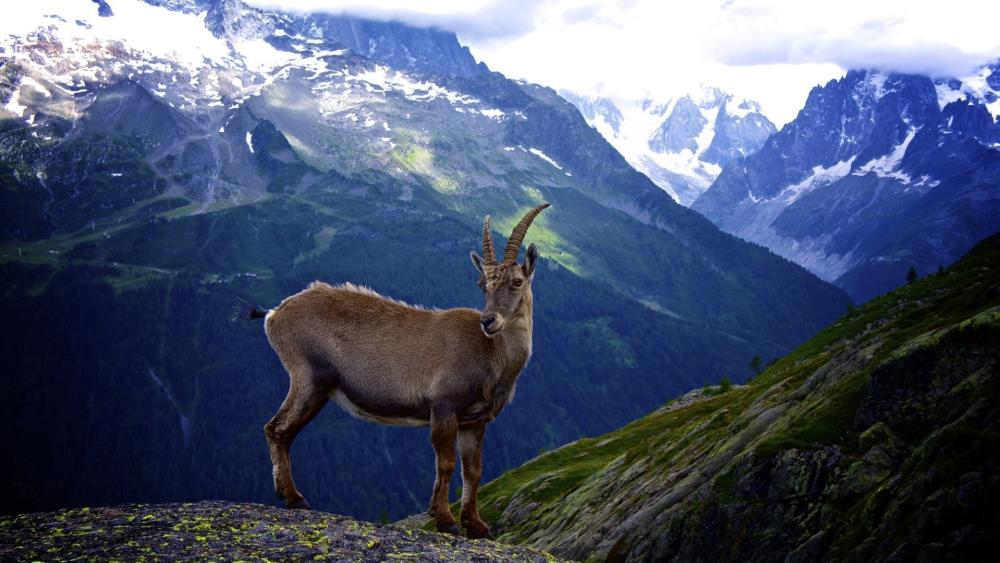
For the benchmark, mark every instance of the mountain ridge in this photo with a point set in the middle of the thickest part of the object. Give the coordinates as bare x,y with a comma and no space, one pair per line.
681,143
878,172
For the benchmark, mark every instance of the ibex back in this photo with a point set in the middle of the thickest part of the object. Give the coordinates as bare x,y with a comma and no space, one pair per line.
388,362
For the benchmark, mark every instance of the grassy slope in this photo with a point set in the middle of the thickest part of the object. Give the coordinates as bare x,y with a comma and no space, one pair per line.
609,494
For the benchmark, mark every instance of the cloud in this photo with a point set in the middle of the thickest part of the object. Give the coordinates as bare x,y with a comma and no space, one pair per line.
773,51
896,35
473,20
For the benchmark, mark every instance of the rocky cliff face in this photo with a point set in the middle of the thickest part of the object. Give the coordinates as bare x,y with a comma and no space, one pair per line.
878,172
229,531
876,440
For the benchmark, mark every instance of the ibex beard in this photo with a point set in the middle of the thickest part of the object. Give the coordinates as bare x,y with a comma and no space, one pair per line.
387,362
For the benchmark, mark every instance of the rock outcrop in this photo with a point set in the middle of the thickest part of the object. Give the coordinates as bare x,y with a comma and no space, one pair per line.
230,531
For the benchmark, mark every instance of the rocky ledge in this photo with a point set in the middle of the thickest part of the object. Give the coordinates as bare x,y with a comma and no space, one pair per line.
230,531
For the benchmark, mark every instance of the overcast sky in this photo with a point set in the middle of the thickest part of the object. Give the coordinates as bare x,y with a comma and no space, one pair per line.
773,51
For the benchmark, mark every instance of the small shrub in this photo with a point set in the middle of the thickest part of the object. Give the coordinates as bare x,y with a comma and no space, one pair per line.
725,385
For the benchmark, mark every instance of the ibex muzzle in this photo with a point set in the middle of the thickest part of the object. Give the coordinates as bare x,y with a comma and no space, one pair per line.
388,362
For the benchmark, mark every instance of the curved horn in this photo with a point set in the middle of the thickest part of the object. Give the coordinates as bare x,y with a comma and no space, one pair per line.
517,235
489,251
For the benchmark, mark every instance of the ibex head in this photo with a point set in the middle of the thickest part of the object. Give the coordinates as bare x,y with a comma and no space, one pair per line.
506,284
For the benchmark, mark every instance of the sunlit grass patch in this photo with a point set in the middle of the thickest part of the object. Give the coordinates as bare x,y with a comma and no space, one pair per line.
127,278
322,240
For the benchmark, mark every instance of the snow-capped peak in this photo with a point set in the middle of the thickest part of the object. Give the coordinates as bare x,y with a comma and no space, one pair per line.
682,142
982,86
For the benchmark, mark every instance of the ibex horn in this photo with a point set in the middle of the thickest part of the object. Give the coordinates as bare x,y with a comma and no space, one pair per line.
517,235
489,252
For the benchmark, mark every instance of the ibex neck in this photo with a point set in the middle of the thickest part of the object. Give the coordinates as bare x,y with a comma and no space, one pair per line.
513,345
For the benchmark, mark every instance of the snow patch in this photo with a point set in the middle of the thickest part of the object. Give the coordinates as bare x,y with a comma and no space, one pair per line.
29,81
877,80
132,24
415,90
249,141
259,56
544,157
704,139
972,87
887,166
493,113
820,177
946,95
13,105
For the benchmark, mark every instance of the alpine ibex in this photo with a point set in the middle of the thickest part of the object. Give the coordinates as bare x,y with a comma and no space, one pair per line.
388,362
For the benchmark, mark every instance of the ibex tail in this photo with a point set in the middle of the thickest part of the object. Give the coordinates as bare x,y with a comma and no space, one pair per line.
248,310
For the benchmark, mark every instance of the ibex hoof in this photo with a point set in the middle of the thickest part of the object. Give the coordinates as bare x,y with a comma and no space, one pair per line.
300,504
451,528
480,534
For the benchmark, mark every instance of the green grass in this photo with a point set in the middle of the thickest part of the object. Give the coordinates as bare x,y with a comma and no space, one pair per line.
126,278
828,420
557,473
322,240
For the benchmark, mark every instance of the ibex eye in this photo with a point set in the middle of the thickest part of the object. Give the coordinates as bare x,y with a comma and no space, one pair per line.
518,282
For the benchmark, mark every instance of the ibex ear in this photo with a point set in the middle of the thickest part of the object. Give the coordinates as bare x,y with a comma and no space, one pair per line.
477,261
530,260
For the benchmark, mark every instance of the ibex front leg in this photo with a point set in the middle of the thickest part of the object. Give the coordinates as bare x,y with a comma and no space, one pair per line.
470,447
444,427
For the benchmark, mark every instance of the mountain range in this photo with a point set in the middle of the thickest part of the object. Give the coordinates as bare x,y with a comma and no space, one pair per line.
153,185
681,143
878,173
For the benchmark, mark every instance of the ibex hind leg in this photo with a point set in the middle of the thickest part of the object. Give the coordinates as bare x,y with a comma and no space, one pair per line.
306,397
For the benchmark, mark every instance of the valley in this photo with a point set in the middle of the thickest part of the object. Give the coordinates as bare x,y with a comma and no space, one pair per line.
150,189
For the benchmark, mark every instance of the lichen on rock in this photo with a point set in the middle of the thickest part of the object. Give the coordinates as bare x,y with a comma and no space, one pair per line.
230,531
